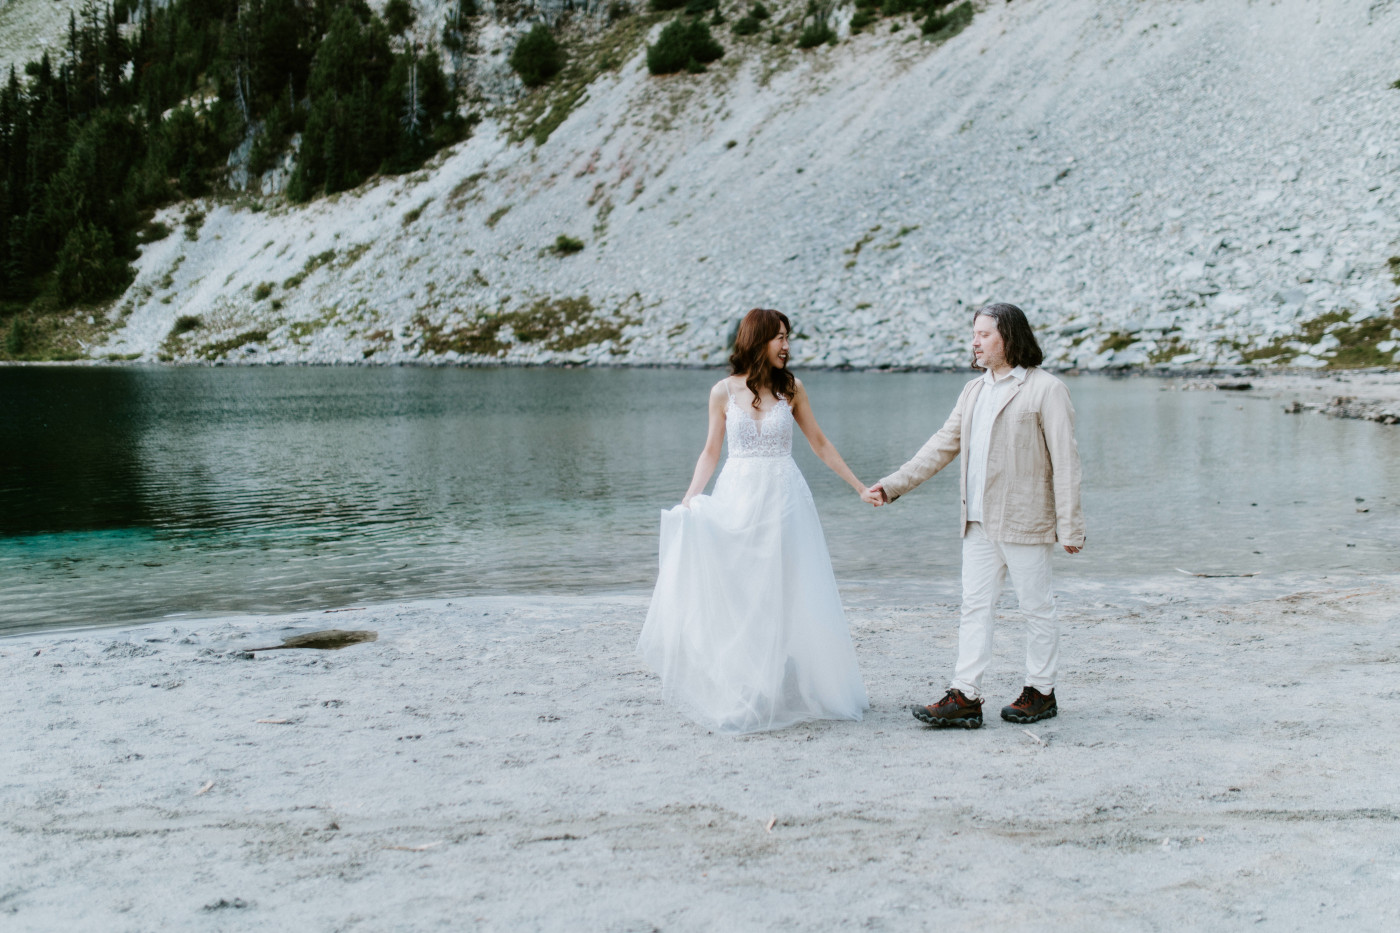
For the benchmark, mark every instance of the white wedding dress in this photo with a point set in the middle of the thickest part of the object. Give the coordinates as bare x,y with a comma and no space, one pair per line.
746,627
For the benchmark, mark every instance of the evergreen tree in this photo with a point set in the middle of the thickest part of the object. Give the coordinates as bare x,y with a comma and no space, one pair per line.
115,125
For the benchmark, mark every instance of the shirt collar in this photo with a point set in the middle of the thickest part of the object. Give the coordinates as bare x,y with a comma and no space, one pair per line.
1018,373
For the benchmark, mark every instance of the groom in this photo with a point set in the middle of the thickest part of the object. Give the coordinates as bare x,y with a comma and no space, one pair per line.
1014,426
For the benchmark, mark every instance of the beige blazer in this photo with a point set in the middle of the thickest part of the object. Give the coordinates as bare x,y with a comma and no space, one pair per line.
1032,493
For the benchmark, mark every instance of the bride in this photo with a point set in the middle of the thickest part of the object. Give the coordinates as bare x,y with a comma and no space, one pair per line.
746,627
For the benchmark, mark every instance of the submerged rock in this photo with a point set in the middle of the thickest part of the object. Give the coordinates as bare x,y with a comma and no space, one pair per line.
331,639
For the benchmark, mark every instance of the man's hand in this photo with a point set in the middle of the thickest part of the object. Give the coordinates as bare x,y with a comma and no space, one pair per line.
875,495
1073,550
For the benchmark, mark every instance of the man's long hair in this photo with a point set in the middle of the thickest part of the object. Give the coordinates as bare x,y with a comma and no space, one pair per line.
1017,338
750,356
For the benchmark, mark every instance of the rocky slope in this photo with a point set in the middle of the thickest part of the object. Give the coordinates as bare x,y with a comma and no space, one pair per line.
1155,181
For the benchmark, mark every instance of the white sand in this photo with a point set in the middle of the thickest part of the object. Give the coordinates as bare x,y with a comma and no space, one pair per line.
1226,757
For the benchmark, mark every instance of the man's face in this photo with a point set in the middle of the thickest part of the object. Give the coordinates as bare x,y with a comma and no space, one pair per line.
987,346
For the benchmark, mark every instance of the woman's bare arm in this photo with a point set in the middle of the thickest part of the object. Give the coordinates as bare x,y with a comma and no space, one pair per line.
823,448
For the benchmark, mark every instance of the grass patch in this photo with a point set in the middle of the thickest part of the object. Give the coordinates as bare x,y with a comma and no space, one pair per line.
412,216
496,216
1168,349
310,266
1357,341
168,280
49,336
1117,340
193,221
221,348
353,254
300,330
860,244
555,323
464,191
263,290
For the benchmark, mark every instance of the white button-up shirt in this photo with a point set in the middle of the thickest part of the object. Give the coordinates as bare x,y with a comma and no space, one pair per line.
979,434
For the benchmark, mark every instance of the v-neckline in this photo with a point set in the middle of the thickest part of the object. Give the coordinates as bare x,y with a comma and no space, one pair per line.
766,412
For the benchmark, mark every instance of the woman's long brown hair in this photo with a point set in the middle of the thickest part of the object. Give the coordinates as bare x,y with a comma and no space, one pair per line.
750,356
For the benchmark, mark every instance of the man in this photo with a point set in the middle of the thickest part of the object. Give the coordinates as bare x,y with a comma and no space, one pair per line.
1014,426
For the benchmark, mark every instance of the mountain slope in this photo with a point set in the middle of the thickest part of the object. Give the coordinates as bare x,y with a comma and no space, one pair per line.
1153,181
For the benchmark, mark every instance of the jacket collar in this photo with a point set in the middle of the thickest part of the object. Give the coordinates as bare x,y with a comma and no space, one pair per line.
1018,373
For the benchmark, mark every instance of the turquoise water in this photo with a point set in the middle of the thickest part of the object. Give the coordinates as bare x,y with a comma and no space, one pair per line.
130,494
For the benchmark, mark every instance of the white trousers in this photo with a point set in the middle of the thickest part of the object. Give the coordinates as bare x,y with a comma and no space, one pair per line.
985,564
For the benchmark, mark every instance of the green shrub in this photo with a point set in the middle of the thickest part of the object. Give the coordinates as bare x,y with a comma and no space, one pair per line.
88,267
818,28
679,44
697,7
947,25
537,57
152,231
618,10
263,290
274,136
565,245
745,26
862,19
398,16
759,12
815,33
18,337
920,7
186,323
662,6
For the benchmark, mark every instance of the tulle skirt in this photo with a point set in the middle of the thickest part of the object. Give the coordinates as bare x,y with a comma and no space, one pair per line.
745,626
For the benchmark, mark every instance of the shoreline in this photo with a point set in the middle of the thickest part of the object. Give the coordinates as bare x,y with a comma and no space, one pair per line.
507,761
1374,393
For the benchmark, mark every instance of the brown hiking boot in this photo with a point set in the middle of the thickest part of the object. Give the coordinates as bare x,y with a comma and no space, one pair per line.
955,709
1030,706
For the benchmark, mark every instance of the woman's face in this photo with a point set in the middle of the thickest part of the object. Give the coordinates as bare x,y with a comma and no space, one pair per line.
778,349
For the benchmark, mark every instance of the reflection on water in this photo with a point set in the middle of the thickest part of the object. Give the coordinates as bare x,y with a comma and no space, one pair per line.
136,493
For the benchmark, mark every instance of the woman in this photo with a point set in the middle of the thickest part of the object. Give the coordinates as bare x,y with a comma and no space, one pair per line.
746,627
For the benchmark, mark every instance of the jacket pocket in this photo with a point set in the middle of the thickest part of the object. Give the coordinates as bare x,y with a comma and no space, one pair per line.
1025,430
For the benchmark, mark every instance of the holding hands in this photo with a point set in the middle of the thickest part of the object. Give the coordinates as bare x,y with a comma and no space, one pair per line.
875,495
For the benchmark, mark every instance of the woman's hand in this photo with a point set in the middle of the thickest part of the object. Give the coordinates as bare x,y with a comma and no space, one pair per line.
875,495
685,503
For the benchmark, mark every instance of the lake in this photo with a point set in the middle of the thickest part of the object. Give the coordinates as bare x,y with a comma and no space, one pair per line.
139,493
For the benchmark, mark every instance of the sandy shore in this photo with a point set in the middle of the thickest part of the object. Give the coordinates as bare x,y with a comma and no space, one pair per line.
1224,759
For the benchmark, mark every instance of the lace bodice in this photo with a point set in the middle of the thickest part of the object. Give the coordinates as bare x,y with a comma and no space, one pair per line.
767,436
